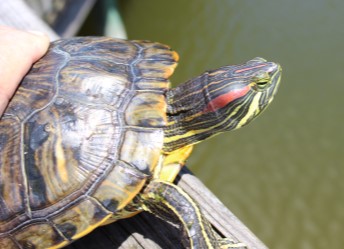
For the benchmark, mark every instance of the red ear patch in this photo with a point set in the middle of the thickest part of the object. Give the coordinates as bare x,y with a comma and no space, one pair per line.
225,99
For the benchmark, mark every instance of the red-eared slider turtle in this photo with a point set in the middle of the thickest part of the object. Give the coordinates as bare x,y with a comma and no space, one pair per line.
94,134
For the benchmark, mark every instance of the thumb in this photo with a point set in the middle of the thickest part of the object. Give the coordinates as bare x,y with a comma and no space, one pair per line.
18,51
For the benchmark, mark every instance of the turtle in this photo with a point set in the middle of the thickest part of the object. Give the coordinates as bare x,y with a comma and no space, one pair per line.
95,133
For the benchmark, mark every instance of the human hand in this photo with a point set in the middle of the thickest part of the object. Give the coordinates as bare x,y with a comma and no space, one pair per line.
18,51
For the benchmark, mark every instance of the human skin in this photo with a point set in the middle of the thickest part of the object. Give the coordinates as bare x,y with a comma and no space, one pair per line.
18,51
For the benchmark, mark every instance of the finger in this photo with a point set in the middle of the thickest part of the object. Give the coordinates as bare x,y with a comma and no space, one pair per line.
18,50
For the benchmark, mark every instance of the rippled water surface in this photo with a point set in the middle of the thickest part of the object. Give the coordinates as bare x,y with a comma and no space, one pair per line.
283,174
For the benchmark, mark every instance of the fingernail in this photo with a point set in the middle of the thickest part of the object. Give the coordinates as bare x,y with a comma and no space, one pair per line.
35,32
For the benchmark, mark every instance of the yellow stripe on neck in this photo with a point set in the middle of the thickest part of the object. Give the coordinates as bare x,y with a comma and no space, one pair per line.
252,110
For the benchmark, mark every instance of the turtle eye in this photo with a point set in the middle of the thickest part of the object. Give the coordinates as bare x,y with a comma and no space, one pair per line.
262,84
261,81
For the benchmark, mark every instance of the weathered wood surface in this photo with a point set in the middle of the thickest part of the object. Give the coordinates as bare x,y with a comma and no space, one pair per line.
143,230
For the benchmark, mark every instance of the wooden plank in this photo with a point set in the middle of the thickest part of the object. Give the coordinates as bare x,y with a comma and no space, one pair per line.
144,230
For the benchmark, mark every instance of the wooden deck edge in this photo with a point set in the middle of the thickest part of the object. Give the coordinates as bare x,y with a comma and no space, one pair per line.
143,230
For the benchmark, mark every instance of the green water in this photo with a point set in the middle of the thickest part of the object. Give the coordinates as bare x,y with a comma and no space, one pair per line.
283,174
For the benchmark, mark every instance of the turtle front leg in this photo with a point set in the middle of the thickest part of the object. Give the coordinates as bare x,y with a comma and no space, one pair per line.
169,202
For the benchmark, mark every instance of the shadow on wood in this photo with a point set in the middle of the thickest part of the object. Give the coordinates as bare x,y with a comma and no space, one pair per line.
142,231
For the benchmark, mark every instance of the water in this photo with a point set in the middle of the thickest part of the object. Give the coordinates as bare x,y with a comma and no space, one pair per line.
283,174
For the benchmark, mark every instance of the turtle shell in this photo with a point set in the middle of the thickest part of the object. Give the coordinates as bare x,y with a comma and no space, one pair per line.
80,137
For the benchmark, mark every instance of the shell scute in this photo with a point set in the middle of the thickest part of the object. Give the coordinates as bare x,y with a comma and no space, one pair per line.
146,110
80,218
120,186
109,49
141,148
94,82
8,243
38,88
12,190
159,62
39,236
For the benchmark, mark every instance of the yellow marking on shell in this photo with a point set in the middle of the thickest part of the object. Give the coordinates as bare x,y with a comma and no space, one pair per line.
173,163
146,108
91,228
175,56
129,194
169,70
61,160
62,244
122,214
39,235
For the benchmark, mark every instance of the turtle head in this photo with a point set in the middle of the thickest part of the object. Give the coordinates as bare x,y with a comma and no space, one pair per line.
237,94
220,100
